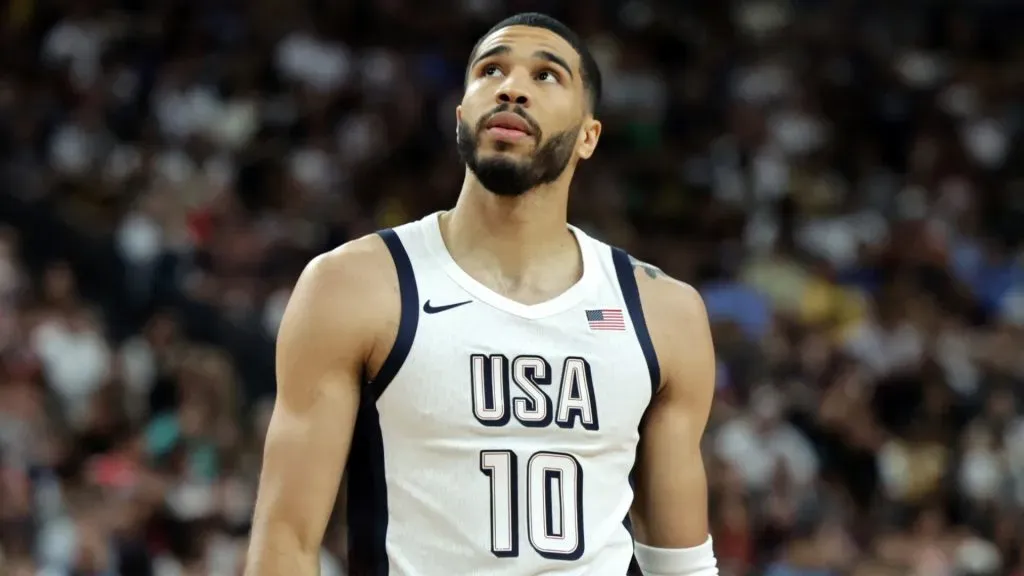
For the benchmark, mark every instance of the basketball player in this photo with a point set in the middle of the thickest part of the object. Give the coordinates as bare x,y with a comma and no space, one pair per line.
493,376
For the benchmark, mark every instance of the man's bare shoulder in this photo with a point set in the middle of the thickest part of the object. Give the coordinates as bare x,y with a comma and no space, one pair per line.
348,293
361,264
666,297
678,323
358,274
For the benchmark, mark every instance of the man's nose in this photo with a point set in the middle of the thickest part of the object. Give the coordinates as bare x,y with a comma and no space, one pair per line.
512,92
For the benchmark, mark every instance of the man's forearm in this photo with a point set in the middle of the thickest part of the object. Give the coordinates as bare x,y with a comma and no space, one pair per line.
281,554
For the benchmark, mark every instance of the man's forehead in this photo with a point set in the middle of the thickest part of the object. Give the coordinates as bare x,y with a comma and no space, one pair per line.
530,39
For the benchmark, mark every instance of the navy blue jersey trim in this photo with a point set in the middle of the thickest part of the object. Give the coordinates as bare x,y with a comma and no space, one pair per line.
367,495
367,491
631,295
410,315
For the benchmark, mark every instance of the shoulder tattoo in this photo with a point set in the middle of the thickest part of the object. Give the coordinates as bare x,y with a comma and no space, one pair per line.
650,270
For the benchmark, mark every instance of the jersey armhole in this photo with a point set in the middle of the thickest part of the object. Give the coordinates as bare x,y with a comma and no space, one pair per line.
631,296
409,315
367,488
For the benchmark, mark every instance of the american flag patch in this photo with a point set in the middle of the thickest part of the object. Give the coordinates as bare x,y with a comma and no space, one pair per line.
606,319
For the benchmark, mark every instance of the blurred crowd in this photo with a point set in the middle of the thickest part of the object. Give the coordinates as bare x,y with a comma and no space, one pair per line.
842,179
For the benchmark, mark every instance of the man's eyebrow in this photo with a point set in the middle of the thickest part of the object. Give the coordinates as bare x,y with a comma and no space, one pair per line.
499,49
554,59
542,54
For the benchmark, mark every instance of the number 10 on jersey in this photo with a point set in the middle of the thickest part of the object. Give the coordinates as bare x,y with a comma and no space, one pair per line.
554,503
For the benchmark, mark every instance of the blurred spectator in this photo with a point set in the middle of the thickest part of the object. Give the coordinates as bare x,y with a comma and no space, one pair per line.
764,448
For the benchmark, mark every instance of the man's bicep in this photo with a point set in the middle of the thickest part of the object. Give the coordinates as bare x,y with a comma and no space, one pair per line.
670,508
319,367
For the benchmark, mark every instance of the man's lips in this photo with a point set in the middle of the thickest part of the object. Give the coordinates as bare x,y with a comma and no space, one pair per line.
507,133
508,126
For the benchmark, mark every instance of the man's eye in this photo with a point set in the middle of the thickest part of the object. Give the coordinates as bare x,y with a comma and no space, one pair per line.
547,76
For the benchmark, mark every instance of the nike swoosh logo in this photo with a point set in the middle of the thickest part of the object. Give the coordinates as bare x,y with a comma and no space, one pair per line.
435,309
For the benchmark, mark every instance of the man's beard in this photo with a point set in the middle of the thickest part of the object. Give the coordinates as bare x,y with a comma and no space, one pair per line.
510,177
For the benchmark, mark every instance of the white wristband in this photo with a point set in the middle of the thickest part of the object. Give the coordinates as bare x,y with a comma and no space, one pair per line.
695,561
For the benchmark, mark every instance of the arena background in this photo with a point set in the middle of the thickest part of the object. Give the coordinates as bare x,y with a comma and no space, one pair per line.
843,180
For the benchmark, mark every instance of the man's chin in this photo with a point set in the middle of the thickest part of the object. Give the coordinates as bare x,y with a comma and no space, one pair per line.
503,177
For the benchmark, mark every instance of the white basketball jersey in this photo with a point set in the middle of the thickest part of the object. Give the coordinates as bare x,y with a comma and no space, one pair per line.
498,437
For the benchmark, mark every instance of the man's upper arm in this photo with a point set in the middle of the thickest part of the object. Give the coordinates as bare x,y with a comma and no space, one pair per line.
670,508
326,336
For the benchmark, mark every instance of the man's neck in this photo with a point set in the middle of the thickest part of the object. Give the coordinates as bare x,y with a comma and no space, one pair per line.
511,234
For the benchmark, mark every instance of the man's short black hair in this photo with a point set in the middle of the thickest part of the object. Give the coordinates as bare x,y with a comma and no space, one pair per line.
590,74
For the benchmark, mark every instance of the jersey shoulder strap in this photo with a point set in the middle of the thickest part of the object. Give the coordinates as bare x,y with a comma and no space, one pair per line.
623,264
